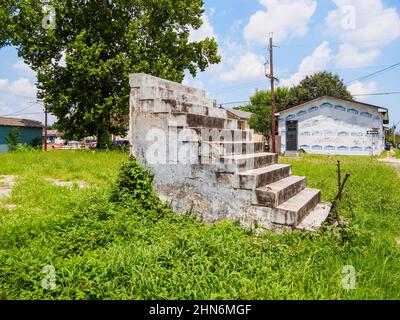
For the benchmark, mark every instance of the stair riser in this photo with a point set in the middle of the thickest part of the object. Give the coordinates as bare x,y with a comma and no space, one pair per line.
292,218
147,83
159,93
241,165
253,182
255,163
208,134
171,106
228,149
237,166
273,199
196,120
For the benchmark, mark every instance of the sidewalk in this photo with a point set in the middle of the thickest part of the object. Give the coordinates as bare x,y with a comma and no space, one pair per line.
390,160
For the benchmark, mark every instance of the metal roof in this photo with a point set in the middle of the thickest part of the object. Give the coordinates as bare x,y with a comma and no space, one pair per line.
16,122
382,110
244,115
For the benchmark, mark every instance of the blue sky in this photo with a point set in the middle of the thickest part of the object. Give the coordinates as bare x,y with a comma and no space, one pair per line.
353,38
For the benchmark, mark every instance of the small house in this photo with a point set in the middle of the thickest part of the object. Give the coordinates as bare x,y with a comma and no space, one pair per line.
29,131
243,117
333,126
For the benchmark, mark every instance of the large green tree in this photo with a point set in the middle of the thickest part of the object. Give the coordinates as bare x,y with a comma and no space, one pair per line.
315,86
101,42
260,107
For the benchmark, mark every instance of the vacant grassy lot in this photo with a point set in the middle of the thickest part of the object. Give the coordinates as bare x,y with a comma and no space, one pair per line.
101,250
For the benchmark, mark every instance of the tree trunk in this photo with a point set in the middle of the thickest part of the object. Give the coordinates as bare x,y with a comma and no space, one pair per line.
103,137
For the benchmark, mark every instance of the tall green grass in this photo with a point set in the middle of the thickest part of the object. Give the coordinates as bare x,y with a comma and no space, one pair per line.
103,251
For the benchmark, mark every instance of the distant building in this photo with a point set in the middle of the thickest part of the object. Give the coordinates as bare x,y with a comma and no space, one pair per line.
333,126
54,137
242,116
30,131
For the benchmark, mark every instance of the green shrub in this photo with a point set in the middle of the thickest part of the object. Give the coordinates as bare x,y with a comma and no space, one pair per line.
21,148
134,184
12,139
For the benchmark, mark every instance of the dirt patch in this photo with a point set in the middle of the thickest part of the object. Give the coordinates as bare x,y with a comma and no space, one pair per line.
392,162
6,185
10,206
68,184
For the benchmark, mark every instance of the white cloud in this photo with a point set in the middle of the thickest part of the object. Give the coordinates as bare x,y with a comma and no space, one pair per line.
205,31
285,18
247,66
318,61
369,23
359,88
18,88
17,99
23,69
351,56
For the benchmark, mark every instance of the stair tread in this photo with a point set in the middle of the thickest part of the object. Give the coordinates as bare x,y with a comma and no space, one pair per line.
248,156
262,170
315,218
299,200
281,184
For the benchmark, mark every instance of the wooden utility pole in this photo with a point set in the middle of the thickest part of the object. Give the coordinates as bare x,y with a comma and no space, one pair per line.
272,78
45,127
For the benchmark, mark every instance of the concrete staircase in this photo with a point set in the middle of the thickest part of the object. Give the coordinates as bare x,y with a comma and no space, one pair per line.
210,166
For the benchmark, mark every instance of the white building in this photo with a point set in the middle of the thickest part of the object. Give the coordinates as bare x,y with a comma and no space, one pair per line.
333,126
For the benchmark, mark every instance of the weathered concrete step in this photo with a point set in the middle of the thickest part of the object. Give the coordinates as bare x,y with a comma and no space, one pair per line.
143,81
296,208
157,93
315,218
274,194
196,120
245,162
255,178
210,134
237,148
173,106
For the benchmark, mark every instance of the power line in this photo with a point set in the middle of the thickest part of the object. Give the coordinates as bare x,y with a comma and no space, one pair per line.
377,94
313,44
375,74
20,114
354,95
251,83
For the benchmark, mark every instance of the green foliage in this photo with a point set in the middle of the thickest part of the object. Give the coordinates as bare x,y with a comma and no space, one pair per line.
24,149
102,250
315,86
36,143
390,136
134,184
260,120
102,43
260,107
12,139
